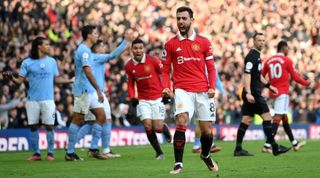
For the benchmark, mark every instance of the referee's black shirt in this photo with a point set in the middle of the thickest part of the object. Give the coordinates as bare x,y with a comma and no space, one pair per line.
253,66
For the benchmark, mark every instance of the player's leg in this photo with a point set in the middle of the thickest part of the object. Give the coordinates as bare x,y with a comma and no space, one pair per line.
97,132
48,109
87,127
206,109
158,116
152,137
267,128
184,110
245,123
197,143
81,107
275,125
296,144
33,115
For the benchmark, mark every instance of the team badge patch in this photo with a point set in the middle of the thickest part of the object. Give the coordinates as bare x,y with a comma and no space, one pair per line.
85,55
42,66
164,54
195,46
147,68
249,66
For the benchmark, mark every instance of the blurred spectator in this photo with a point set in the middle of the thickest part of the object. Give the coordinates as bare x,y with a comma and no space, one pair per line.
296,21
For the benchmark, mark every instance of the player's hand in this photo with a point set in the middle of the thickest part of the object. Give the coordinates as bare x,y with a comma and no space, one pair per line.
100,97
166,100
250,98
211,93
273,89
134,102
7,75
129,35
167,92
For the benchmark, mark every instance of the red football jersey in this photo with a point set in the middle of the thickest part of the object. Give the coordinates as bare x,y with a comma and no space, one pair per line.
279,68
192,61
146,75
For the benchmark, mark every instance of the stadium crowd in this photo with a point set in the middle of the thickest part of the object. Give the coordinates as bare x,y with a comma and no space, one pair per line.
228,24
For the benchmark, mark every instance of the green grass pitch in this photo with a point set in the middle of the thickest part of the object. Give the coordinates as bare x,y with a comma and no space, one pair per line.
139,161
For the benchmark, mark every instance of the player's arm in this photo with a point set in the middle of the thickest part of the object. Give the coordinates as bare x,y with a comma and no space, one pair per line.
219,84
88,72
103,58
59,79
13,76
247,79
268,85
295,76
166,70
131,87
211,77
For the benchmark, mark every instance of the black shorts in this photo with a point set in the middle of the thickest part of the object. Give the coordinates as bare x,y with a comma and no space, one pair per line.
259,107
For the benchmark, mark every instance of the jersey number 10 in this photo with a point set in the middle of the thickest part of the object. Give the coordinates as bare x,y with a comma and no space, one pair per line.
275,70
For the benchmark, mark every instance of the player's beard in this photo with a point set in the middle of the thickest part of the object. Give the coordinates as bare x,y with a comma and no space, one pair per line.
184,33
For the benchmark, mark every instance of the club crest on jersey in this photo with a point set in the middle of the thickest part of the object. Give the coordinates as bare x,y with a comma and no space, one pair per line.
147,68
42,66
195,46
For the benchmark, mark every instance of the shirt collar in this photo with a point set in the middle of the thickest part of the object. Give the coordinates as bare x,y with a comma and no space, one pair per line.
192,37
143,60
256,50
279,54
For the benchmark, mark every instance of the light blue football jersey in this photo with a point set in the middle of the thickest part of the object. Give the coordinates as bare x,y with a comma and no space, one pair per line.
99,61
83,57
40,74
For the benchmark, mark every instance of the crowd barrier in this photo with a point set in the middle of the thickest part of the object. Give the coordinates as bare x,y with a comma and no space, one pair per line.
18,139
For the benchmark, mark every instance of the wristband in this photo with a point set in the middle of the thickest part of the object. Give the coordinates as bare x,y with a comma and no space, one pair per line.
267,85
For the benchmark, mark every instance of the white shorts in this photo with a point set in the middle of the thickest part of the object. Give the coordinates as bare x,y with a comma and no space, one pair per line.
281,104
90,116
197,104
151,109
44,109
84,102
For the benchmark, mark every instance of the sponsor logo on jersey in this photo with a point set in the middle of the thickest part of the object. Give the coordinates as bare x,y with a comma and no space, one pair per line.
178,49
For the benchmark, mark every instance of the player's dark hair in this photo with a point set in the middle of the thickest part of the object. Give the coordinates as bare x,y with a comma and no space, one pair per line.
136,41
281,45
257,34
185,8
87,30
34,54
96,44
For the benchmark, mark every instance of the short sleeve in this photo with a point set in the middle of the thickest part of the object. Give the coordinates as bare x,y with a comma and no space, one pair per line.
248,65
23,69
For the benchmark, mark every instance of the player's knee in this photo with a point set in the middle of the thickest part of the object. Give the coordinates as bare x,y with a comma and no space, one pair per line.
158,128
247,120
276,120
285,120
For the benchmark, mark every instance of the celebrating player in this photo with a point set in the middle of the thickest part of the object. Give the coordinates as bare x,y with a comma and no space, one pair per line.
191,57
145,71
